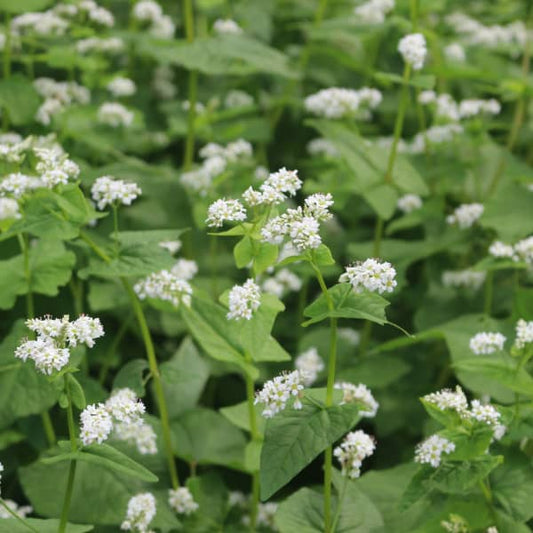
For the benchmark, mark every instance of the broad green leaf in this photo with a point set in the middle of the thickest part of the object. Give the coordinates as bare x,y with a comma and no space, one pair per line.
155,236
18,97
24,5
131,376
239,415
347,304
377,372
76,392
12,525
102,455
293,438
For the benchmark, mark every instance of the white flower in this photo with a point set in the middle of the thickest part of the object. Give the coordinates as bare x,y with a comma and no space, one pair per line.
124,406
372,275
46,355
185,269
96,424
107,190
455,53
121,87
84,330
22,511
235,99
283,281
359,394
309,364
283,181
500,249
261,173
431,450
524,250
166,286
413,49
147,11
317,206
226,27
355,447
409,203
337,102
484,413
244,300
9,209
109,45
225,210
236,498
278,391
138,433
265,515
487,342
524,333
323,147
472,108
349,335
44,24
304,233
448,399
182,501
373,11
427,97
468,279
55,168
163,28
141,511
466,215
172,246
163,82
115,115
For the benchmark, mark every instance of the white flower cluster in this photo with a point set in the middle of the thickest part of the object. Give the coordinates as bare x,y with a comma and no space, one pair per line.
265,515
9,209
409,203
276,393
485,413
121,417
121,86
413,49
58,96
236,99
323,147
283,281
524,333
182,501
468,279
501,250
371,275
216,160
151,13
107,190
244,300
430,451
455,53
275,189
440,134
97,14
17,185
359,394
466,215
447,399
185,269
309,364
227,27
355,447
163,82
337,102
114,115
223,210
487,342
22,511
49,351
446,107
102,45
166,286
172,246
373,11
54,168
43,24
141,511
302,226
524,250
495,36
349,335
475,107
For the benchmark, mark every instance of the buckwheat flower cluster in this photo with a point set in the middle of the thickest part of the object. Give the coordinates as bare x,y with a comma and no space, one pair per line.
455,53
501,250
172,246
236,99
265,515
466,215
124,406
120,86
409,203
282,282
524,250
9,209
472,108
359,394
338,102
277,392
139,434
371,275
448,399
355,447
322,147
54,168
182,501
349,335
524,333
244,300
108,190
435,135
227,27
487,342
485,413
373,11
185,269
413,49
97,14
96,424
275,189
309,364
430,451
141,511
23,510
103,45
166,286
17,185
151,13
44,24
223,210
163,83
115,115
468,279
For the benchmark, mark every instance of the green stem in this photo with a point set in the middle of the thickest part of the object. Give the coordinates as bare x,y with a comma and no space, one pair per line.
15,515
188,15
48,428
489,289
213,252
115,230
256,437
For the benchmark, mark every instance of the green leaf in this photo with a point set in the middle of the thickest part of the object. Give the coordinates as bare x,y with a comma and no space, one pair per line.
154,236
103,455
131,376
293,438
377,372
18,98
239,416
76,392
347,304
11,525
